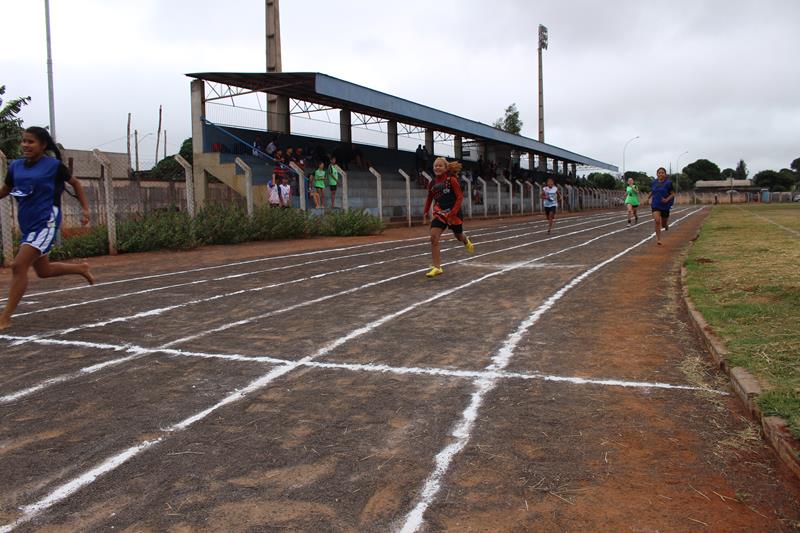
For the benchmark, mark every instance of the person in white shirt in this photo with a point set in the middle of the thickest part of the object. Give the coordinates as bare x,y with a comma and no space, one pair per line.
271,148
551,197
273,192
285,192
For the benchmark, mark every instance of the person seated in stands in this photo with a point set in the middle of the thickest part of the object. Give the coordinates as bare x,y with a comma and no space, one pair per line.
358,157
258,146
344,154
279,155
299,157
271,147
288,156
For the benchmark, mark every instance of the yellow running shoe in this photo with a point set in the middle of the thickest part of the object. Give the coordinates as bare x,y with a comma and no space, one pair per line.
434,271
469,246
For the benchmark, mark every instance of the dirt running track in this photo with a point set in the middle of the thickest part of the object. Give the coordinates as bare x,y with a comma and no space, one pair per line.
543,384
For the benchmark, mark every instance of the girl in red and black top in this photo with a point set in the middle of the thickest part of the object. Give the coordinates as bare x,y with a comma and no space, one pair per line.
444,192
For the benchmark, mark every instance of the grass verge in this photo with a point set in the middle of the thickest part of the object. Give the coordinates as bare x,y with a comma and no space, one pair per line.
743,277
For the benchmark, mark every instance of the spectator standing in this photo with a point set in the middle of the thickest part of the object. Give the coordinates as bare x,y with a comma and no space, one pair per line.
258,146
285,192
319,179
273,191
271,147
333,180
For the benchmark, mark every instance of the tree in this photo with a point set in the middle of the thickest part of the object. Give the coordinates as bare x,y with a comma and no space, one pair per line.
603,180
702,169
510,122
641,179
795,165
11,125
741,171
774,181
168,168
729,173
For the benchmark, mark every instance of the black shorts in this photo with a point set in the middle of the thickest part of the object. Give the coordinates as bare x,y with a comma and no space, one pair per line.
333,188
664,212
550,210
457,228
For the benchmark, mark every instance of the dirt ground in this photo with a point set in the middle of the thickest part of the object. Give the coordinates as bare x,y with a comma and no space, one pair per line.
309,386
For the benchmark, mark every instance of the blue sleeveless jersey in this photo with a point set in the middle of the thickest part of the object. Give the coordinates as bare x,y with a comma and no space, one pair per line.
37,188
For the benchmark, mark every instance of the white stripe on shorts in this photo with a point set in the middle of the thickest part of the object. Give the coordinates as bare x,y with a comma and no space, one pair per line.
45,237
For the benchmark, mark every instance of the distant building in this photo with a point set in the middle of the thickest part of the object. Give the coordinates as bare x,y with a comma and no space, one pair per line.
725,186
84,165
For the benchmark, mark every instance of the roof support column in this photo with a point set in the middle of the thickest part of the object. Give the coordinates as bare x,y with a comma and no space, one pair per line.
278,117
542,163
429,140
345,126
392,133
458,147
574,169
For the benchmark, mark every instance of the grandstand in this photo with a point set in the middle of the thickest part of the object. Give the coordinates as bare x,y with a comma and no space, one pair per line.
224,130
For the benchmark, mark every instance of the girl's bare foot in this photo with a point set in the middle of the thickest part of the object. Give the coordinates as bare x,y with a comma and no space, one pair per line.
86,273
4,323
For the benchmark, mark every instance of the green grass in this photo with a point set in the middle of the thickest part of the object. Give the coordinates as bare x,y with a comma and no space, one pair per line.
743,275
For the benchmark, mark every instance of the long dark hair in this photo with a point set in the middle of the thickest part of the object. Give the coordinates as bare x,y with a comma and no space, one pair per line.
46,139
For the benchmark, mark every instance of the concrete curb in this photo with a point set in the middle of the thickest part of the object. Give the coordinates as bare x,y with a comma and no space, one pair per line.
746,386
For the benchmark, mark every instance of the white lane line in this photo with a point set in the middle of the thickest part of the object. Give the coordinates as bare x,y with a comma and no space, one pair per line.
272,258
77,374
67,489
282,267
159,311
463,428
356,367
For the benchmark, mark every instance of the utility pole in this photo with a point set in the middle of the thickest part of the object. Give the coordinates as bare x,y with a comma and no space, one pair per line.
277,106
136,147
51,96
129,146
542,46
158,135
165,144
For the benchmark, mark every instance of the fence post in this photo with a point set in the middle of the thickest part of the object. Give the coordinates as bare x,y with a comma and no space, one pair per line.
533,197
301,184
521,197
380,191
248,183
111,219
187,170
469,196
499,198
6,218
427,176
483,198
345,200
510,196
539,196
408,194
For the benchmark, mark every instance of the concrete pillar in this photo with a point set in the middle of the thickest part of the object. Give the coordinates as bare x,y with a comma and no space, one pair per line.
574,169
392,134
429,140
278,115
458,147
542,163
345,126
531,161
198,95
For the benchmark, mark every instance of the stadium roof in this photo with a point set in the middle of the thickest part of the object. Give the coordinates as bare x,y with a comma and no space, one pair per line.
333,92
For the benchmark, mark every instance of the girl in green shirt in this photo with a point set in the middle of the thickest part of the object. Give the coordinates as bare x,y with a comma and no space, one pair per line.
632,201
319,184
333,180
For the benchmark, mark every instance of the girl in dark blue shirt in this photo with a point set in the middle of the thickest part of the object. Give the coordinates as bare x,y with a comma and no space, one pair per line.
661,198
37,181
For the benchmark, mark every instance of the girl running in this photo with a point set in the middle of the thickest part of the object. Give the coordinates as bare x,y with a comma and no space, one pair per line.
661,198
632,201
444,192
551,196
37,181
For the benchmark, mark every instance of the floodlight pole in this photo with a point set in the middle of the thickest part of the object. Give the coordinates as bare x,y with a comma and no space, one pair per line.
50,71
542,46
623,154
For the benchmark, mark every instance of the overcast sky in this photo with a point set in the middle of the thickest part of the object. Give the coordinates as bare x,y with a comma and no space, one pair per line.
718,78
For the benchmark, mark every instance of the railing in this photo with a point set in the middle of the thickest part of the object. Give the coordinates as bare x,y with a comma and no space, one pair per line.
483,197
255,151
408,194
510,196
521,197
499,197
248,183
189,175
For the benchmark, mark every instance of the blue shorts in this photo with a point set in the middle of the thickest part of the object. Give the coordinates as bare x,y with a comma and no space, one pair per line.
43,237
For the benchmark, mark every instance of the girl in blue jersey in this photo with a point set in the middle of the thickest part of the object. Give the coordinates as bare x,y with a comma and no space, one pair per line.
661,197
37,181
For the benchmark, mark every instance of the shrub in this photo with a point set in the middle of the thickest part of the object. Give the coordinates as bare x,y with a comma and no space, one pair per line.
90,244
349,223
271,223
162,229
220,224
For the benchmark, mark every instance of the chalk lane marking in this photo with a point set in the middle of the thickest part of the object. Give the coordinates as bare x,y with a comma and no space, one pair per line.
274,258
80,373
135,351
159,311
500,360
284,267
67,489
781,226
